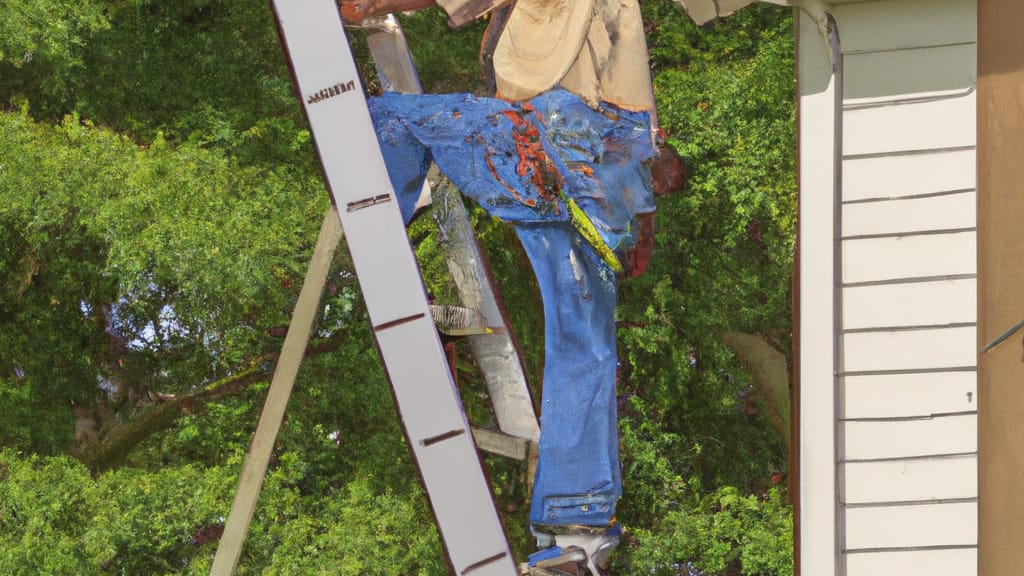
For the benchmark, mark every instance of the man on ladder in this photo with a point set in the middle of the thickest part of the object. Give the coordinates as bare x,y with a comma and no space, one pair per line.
564,154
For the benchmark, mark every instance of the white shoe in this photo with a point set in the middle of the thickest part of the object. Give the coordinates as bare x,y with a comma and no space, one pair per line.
570,561
597,547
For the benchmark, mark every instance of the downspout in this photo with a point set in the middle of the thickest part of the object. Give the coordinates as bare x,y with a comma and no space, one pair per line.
817,12
836,53
828,33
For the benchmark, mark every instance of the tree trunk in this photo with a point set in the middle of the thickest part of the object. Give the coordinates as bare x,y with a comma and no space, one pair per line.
769,370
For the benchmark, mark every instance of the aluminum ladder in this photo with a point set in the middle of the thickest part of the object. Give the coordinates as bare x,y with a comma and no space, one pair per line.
428,403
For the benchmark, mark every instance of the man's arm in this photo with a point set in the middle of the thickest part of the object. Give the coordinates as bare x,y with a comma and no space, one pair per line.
460,12
355,11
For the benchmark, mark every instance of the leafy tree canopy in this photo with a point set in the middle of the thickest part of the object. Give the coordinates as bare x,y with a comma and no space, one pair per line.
159,199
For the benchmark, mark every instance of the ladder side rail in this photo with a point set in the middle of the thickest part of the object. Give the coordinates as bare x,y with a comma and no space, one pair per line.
431,412
496,353
254,469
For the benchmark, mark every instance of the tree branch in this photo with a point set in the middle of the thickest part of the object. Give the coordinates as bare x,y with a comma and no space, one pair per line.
113,447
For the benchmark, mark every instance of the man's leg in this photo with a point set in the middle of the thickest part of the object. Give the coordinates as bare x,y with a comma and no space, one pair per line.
578,480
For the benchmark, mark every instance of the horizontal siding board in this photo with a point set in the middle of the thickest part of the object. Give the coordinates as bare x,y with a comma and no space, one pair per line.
953,524
913,304
875,259
908,165
904,72
910,215
910,480
910,438
873,26
909,395
908,175
938,124
909,350
958,562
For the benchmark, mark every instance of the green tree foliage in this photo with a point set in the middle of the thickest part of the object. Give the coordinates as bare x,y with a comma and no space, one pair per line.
208,72
42,48
725,245
56,519
159,199
151,269
724,532
694,427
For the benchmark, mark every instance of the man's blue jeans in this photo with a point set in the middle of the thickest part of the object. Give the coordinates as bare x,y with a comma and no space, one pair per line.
578,479
524,163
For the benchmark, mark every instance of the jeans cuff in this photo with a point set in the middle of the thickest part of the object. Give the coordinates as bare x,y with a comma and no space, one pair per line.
591,511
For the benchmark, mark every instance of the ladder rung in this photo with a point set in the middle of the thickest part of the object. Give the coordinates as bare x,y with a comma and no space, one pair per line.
398,322
484,562
503,444
442,437
367,202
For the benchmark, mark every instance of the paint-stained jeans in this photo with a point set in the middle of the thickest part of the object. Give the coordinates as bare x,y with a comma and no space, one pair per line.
524,163
578,479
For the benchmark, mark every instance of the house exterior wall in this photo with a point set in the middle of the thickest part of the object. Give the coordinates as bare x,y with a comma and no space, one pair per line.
1000,285
900,337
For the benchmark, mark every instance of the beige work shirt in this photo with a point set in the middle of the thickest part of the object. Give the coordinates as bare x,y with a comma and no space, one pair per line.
611,66
704,11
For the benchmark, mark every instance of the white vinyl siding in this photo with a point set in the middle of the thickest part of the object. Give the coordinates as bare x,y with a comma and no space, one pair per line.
900,258
910,480
902,128
906,404
889,439
955,211
897,176
932,303
895,25
914,526
909,350
909,395
941,562
931,69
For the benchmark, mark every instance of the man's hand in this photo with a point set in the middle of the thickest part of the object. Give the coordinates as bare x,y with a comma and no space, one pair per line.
668,171
668,174
636,258
354,11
